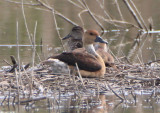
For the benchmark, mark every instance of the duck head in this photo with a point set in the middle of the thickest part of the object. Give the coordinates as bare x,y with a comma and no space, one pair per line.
92,36
76,33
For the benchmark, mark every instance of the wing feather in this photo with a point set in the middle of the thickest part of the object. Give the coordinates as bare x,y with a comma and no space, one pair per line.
84,60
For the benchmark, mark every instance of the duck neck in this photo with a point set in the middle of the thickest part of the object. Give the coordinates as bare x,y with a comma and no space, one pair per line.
90,49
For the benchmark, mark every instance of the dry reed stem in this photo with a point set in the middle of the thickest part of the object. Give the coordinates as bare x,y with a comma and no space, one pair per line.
83,6
55,12
75,4
55,21
17,40
118,22
7,62
46,7
29,36
134,96
80,1
31,100
130,76
133,14
115,93
79,15
93,17
105,12
79,75
33,57
139,15
17,81
3,100
123,94
25,21
34,42
18,75
109,20
119,10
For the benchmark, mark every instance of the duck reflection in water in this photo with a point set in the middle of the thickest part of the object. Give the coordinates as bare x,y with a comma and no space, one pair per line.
92,104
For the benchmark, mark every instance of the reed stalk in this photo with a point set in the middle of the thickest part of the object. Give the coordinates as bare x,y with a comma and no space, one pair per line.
18,74
119,10
93,17
79,75
133,14
56,25
140,16
115,93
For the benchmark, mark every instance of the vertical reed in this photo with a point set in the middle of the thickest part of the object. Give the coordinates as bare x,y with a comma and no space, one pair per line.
18,74
138,17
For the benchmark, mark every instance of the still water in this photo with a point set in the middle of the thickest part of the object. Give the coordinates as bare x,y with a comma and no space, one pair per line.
122,42
88,104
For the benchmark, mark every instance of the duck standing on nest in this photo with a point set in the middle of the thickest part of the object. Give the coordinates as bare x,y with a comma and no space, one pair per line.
89,62
75,41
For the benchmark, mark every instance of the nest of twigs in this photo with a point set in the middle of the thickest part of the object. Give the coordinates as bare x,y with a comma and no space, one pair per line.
39,81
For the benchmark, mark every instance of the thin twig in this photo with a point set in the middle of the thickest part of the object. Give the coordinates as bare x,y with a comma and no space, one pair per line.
79,75
107,14
46,7
55,12
119,10
30,100
133,13
149,63
23,3
55,21
115,93
118,22
134,96
139,15
7,62
140,78
3,100
79,15
75,4
18,74
17,81
93,17
25,21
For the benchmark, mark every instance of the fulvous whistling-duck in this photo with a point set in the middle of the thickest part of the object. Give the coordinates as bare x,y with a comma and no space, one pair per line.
75,41
102,50
88,60
75,38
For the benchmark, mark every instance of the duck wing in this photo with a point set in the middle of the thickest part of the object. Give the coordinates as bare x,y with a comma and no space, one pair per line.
84,60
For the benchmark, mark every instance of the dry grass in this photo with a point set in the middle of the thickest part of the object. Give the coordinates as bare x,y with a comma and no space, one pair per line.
129,78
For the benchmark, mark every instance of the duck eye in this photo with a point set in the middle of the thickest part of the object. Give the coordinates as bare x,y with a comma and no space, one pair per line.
91,33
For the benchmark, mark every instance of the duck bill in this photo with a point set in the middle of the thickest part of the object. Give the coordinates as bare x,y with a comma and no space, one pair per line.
66,37
99,39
